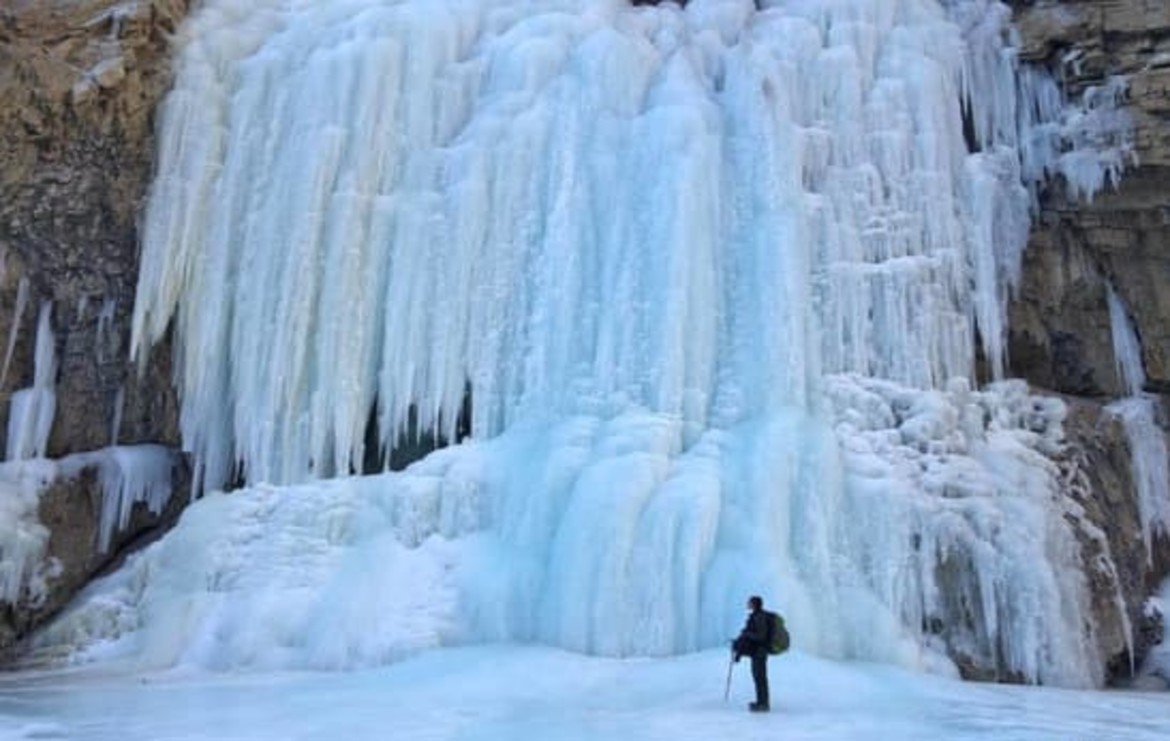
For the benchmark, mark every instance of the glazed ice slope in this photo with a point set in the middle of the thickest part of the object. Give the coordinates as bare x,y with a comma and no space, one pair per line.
713,278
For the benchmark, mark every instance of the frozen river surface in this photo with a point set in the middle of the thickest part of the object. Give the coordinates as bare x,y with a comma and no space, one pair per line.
537,693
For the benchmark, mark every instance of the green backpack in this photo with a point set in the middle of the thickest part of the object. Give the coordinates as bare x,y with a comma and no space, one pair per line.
778,638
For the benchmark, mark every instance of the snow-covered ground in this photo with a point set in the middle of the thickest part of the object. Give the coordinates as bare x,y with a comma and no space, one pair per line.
515,692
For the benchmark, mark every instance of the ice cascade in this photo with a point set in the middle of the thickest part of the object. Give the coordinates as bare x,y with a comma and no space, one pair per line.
1138,412
714,280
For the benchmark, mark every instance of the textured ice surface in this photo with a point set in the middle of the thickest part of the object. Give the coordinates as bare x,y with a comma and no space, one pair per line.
507,693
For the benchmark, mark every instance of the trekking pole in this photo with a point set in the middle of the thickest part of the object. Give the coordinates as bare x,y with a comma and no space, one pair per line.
727,687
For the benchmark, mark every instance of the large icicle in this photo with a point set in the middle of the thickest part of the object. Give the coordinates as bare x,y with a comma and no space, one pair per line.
31,410
1127,348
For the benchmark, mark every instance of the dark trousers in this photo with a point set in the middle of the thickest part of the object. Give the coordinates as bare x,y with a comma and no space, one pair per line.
760,677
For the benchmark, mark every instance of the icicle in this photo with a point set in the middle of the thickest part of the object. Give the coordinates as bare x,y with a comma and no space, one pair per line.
31,410
127,476
1127,349
1138,413
1147,443
116,415
105,320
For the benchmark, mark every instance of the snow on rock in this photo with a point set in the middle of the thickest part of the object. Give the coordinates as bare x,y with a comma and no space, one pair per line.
1157,662
126,476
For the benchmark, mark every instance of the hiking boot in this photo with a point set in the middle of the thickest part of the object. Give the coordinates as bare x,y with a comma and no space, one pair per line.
756,707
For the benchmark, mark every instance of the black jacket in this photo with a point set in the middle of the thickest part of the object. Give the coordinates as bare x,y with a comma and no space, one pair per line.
753,639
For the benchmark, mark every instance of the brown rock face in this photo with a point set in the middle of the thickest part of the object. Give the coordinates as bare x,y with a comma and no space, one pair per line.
1061,336
1060,327
79,81
1118,570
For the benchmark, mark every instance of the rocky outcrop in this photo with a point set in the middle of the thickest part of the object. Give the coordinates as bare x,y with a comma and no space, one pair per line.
1119,571
1060,335
71,509
80,80
1060,325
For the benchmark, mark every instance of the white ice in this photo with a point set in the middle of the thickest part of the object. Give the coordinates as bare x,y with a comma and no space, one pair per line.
610,536
578,207
31,410
1157,663
22,536
507,693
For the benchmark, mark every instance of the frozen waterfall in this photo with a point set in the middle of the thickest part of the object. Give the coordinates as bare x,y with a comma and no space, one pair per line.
715,281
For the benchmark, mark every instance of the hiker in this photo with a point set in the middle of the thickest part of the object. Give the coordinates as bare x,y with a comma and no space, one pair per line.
753,641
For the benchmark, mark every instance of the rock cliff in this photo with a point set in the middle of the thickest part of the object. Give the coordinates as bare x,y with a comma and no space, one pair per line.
1060,324
79,81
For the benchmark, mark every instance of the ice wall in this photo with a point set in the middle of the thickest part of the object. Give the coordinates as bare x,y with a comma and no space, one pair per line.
572,210
714,278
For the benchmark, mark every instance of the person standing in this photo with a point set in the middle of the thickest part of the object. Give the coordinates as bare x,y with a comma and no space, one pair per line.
753,642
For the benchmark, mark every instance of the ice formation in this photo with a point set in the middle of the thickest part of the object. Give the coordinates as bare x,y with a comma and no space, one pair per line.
1158,661
31,410
22,536
1138,412
1127,348
127,475
713,277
